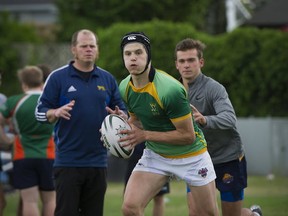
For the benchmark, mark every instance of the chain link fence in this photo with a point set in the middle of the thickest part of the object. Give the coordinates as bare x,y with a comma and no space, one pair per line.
53,55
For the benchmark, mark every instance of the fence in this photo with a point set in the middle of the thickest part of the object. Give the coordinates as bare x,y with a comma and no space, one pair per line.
54,55
265,142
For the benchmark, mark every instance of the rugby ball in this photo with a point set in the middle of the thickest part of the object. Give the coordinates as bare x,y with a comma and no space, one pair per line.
110,128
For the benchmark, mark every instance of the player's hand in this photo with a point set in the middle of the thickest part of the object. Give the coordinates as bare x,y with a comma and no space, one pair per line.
132,137
102,139
64,111
117,111
199,118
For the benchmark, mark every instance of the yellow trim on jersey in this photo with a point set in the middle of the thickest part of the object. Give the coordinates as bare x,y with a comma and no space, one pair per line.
150,89
181,118
190,154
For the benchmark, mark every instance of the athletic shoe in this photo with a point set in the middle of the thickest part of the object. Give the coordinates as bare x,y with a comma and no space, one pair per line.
256,209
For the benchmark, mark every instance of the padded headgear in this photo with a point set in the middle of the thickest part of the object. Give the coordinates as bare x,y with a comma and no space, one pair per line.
139,37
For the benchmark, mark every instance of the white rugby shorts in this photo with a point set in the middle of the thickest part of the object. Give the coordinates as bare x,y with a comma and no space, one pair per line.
195,171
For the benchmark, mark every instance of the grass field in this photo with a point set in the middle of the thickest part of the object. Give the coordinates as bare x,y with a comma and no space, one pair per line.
271,195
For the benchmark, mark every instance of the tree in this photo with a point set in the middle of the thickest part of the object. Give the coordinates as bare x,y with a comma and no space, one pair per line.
12,33
75,14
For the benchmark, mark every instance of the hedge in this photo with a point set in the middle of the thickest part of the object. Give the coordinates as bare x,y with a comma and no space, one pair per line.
251,63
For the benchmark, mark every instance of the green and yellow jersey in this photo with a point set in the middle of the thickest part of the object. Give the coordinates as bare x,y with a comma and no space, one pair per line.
157,105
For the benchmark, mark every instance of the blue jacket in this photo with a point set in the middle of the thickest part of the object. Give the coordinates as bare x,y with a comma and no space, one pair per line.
78,139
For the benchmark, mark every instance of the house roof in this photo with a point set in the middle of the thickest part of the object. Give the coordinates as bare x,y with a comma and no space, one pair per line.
273,13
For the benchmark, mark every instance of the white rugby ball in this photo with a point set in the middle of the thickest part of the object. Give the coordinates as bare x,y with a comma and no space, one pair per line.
110,128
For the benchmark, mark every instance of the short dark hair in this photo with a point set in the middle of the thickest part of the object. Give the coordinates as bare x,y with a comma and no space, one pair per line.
188,44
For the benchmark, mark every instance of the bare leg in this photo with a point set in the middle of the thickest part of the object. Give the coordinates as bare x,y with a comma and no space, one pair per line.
235,209
148,185
231,208
192,211
158,208
49,202
30,197
191,205
207,193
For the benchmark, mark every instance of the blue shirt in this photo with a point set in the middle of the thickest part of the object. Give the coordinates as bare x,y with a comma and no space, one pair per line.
78,139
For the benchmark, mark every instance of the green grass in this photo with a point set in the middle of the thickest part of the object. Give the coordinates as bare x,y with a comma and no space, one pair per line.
271,195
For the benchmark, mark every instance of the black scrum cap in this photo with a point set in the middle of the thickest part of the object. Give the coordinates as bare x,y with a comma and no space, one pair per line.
139,37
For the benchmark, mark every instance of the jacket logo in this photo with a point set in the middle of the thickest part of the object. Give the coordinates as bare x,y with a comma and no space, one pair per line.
72,89
102,88
199,97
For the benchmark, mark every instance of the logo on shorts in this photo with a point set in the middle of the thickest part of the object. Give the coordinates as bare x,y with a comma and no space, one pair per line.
227,178
203,172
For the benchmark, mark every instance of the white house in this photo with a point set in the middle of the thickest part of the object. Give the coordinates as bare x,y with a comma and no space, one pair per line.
37,12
